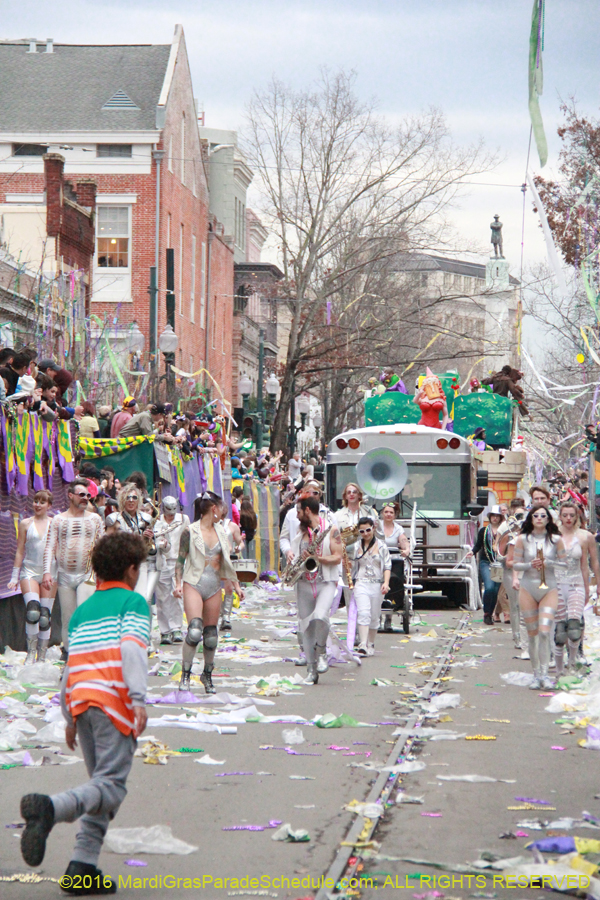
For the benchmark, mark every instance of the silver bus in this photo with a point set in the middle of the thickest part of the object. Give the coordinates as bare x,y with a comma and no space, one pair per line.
443,484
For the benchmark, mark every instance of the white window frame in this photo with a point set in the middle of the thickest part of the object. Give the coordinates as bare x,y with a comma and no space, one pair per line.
124,270
193,282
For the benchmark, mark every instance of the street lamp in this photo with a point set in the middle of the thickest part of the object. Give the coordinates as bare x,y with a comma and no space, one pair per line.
168,343
272,388
317,422
303,407
245,388
136,342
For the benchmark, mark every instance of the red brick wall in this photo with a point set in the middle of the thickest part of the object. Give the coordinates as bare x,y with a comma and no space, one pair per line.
74,229
221,314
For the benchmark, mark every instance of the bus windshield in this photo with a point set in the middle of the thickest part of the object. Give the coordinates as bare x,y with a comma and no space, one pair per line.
435,488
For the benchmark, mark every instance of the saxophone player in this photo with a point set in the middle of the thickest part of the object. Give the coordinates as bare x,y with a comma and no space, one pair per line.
316,590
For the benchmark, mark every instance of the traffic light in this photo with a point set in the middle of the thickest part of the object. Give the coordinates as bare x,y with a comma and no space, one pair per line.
482,484
250,427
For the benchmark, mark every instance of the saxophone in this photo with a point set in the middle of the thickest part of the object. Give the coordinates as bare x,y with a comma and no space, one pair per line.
299,567
349,536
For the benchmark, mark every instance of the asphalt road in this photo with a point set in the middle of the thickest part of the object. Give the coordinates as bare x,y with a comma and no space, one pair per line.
454,824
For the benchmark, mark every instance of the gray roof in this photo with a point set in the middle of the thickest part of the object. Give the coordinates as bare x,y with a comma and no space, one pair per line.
66,90
426,262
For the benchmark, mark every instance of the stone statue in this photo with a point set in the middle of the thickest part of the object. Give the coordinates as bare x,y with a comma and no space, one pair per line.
496,227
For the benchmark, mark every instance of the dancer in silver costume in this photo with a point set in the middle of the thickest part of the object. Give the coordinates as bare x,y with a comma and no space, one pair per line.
71,539
573,588
236,542
538,597
202,562
28,573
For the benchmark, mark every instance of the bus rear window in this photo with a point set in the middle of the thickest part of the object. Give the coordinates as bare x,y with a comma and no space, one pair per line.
437,489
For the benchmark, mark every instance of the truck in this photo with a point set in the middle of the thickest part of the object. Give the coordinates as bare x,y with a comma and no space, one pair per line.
444,494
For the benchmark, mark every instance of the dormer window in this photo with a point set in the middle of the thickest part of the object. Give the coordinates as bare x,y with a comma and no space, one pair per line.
114,151
29,149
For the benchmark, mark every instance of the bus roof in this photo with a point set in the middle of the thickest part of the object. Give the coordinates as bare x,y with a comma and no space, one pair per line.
422,441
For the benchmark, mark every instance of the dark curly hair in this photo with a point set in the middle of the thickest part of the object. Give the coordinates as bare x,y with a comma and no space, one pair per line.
114,553
527,526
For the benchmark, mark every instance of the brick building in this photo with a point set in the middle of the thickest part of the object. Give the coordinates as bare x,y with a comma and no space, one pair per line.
125,117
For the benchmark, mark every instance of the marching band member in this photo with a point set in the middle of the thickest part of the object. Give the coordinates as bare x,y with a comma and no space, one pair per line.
131,518
236,542
167,532
573,588
371,574
316,590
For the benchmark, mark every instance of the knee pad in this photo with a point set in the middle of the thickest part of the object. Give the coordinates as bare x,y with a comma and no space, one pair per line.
32,612
574,629
560,635
194,635
210,637
45,616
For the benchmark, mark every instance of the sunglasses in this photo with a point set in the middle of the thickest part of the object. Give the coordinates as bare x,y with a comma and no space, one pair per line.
365,531
87,496
131,497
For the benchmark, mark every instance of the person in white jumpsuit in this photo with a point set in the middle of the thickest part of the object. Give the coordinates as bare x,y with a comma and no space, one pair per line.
169,609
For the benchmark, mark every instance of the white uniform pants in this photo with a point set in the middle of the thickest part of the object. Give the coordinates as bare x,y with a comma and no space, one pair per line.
368,598
314,603
72,592
146,583
169,610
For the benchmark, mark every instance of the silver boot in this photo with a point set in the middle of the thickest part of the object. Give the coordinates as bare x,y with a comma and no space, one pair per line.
42,649
322,664
32,643
312,675
226,613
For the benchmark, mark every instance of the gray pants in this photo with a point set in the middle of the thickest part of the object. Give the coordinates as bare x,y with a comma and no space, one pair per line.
314,603
108,755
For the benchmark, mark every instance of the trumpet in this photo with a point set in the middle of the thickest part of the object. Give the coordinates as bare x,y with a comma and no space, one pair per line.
540,555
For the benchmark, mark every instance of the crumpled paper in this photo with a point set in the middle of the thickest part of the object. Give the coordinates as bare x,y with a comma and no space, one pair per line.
287,833
157,839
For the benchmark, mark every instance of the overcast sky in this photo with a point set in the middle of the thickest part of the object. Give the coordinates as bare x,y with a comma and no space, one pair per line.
466,57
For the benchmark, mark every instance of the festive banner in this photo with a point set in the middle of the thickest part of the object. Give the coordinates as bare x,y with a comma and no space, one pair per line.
8,437
178,463
22,453
265,546
98,447
37,430
536,79
65,452
48,435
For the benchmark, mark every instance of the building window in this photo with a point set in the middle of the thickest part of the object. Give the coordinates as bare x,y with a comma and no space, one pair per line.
112,232
181,237
193,280
202,284
120,151
29,149
170,157
183,149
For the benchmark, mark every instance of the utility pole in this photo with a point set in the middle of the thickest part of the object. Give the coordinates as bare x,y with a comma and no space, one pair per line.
293,419
260,416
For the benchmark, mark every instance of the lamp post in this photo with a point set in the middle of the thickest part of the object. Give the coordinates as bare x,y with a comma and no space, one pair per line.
168,343
137,342
317,422
272,388
303,406
245,388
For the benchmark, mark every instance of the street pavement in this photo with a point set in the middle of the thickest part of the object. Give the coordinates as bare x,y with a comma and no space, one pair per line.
456,822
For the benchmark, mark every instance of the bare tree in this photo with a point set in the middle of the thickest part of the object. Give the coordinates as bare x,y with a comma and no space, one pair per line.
341,190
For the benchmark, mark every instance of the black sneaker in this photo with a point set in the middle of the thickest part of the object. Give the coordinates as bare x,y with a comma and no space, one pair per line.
64,655
487,620
38,812
82,879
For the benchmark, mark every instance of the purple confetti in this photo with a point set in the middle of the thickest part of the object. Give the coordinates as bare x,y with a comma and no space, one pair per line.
225,774
135,862
556,747
335,747
433,815
177,697
273,823
360,743
16,825
533,800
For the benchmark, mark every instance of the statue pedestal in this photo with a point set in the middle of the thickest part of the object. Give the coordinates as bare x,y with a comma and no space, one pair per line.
496,274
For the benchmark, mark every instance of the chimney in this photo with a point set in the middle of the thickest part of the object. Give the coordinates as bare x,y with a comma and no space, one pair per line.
86,193
49,45
54,165
32,45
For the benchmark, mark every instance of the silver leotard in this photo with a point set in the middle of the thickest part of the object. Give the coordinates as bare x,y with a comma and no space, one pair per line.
531,578
210,580
571,573
33,561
